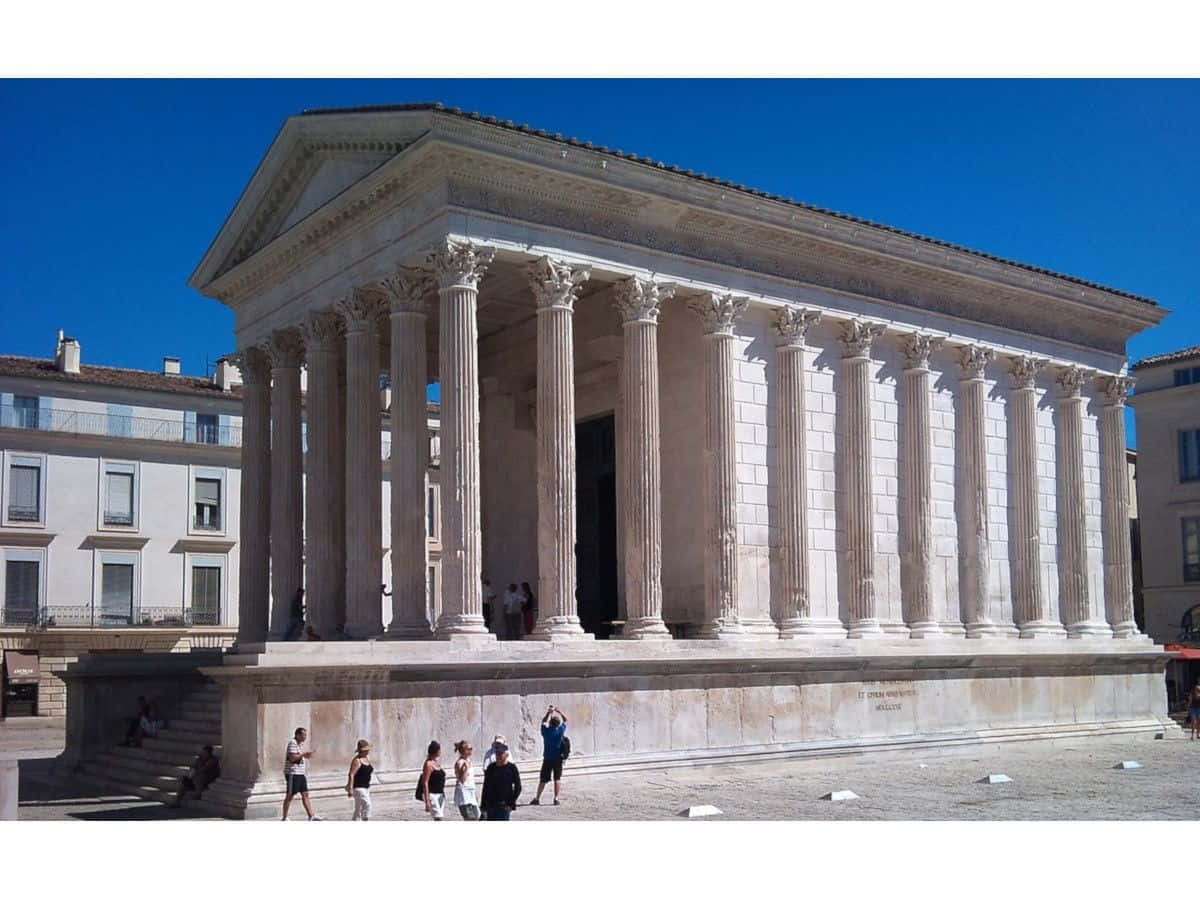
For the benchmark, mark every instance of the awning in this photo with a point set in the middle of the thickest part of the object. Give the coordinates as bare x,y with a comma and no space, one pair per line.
1182,652
21,668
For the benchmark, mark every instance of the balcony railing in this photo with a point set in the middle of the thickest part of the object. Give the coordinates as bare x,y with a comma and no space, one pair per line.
89,616
68,421
207,523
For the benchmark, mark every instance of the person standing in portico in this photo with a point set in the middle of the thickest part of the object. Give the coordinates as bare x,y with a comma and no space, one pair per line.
514,628
553,737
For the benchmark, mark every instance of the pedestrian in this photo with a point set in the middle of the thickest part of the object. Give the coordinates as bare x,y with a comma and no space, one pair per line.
1194,710
464,783
501,787
491,617
433,782
489,755
512,603
529,609
358,782
295,774
554,737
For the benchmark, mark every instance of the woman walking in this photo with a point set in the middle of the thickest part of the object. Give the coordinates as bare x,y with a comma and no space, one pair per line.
464,783
433,782
358,782
1194,710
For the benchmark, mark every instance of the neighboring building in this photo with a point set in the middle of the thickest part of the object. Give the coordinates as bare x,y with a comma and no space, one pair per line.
1167,407
119,514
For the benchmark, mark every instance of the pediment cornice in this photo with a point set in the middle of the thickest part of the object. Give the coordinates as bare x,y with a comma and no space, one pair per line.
486,169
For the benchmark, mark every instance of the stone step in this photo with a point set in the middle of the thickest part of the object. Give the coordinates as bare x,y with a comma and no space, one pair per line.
152,754
182,745
193,721
195,733
118,762
149,788
191,707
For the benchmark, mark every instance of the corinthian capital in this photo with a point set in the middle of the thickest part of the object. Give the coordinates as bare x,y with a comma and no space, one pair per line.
1023,370
254,365
791,325
460,263
973,360
285,348
718,312
321,330
405,289
360,309
1070,381
556,284
1116,388
917,348
858,336
641,300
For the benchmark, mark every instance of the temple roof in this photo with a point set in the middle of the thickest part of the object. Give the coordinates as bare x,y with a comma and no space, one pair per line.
700,176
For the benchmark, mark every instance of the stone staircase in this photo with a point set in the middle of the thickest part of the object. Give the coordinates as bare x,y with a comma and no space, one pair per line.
153,770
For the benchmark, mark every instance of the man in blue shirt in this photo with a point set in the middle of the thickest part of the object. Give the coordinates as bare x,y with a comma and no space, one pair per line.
552,748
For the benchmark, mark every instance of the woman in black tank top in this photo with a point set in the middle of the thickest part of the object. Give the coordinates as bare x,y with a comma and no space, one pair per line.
358,782
433,780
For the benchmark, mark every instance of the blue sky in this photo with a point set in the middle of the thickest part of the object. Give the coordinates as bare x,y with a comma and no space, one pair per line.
113,189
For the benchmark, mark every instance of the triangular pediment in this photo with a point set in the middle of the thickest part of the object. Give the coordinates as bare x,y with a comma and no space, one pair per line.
311,162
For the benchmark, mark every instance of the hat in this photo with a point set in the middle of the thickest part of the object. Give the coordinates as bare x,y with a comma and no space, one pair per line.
499,739
503,748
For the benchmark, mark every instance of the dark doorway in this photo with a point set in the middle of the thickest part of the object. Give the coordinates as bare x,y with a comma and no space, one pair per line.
596,518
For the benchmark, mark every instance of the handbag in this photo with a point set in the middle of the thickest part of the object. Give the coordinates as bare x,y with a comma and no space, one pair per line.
420,794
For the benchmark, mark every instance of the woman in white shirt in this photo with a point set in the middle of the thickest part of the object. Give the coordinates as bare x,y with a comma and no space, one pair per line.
464,783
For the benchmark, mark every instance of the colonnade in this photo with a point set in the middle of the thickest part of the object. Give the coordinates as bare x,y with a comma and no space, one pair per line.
341,563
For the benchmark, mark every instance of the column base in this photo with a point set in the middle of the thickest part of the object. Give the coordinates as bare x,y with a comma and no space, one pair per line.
927,629
408,631
1089,629
1126,631
1041,630
559,628
449,626
648,628
805,627
724,630
977,630
865,629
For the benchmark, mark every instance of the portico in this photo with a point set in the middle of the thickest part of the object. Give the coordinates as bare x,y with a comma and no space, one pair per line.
897,455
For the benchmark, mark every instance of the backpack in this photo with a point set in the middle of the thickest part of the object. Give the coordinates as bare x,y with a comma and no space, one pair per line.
566,748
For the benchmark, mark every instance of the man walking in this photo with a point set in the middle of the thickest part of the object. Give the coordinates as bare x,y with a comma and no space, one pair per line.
553,740
501,787
295,774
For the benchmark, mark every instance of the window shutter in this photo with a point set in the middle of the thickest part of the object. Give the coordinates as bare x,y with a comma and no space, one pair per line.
21,586
23,489
120,495
116,597
206,595
208,491
189,426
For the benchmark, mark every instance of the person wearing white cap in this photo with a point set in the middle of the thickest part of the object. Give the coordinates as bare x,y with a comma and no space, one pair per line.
489,755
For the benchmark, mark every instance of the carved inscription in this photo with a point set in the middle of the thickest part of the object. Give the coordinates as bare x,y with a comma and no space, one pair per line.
887,696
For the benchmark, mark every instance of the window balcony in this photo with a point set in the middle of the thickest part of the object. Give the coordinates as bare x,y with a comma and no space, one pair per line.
207,523
67,421
89,616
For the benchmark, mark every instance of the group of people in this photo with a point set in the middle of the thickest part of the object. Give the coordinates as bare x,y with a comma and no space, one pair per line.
513,615
501,778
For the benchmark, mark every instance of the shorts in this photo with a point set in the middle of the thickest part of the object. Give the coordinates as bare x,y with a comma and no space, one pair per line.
1194,713
550,767
437,806
296,784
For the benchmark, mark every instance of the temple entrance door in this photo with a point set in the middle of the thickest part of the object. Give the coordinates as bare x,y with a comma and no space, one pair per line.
596,518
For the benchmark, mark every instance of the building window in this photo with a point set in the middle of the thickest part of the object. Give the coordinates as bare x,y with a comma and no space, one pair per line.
431,512
1191,548
207,430
22,579
1187,376
208,504
206,595
24,492
1189,455
120,493
116,593
25,412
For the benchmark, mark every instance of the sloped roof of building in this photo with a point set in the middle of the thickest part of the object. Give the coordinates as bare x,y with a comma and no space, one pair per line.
109,376
700,176
1172,357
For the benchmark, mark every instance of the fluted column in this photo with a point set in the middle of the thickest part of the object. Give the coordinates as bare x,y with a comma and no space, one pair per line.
639,302
459,265
970,443
254,544
555,288
916,490
718,312
406,292
1114,505
286,349
854,423
1029,603
323,564
1072,514
795,612
361,310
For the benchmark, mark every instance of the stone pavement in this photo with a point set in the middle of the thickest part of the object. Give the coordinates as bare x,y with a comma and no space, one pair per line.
1050,780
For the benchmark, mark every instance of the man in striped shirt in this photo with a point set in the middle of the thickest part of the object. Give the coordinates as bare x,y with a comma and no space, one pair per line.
295,774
